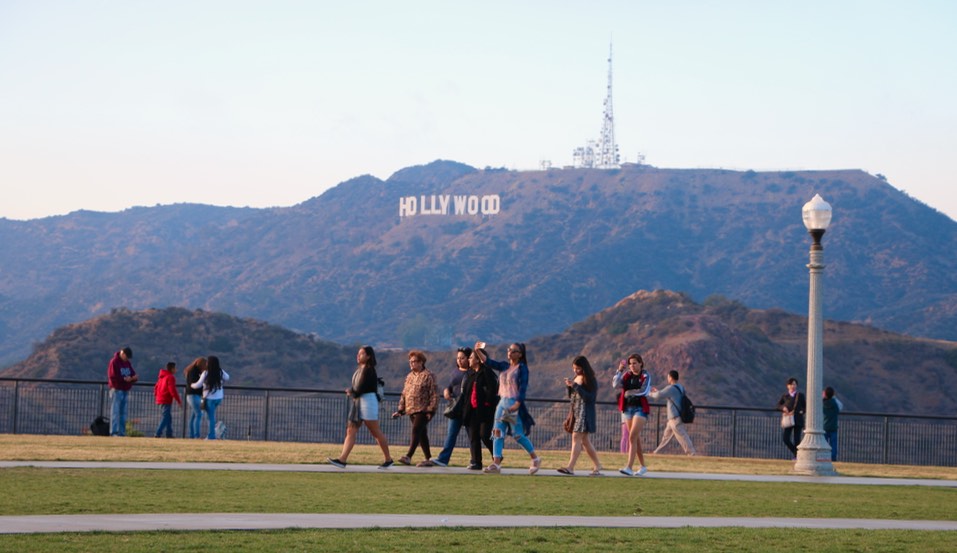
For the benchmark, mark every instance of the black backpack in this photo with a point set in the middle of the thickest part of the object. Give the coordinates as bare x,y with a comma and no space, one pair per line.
686,408
100,426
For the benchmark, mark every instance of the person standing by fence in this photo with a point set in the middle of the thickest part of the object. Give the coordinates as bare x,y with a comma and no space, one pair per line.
673,393
832,409
120,377
165,392
792,406
211,382
194,397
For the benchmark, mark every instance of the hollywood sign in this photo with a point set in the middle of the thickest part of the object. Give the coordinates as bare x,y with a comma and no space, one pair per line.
447,204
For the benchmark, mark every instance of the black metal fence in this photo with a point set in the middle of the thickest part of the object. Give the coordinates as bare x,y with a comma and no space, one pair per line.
67,407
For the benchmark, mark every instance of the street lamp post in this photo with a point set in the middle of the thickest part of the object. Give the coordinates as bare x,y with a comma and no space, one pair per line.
814,453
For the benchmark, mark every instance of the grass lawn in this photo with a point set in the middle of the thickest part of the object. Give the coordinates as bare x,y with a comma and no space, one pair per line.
68,491
528,540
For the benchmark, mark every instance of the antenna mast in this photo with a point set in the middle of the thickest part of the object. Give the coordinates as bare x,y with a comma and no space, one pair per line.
602,154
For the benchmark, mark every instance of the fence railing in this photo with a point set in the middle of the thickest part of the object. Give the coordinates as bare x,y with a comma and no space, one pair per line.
67,407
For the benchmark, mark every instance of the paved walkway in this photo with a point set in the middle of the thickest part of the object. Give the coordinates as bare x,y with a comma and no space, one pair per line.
263,521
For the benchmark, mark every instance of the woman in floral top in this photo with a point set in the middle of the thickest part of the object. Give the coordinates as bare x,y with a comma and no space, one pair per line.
419,400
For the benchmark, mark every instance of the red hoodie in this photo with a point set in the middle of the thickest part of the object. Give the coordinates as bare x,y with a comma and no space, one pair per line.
165,388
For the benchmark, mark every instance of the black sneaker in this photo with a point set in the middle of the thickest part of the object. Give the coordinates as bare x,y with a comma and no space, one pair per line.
473,466
386,464
336,462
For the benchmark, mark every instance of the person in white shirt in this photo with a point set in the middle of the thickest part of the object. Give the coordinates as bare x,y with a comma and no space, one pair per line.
211,382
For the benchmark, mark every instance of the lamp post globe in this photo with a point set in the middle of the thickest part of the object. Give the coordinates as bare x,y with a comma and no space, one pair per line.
814,453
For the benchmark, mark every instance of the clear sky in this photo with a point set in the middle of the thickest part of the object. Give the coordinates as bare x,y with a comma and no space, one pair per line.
107,104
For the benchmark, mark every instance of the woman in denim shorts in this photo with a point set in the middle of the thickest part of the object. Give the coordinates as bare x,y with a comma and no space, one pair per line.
634,384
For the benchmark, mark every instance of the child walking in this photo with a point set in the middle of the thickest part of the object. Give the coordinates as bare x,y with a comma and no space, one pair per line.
165,392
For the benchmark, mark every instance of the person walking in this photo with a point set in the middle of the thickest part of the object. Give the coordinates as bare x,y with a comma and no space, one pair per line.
194,397
453,395
419,401
582,393
211,382
794,404
634,384
511,414
364,408
165,392
480,393
673,393
832,409
120,377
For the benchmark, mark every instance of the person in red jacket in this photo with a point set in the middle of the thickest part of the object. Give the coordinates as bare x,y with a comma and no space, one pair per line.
120,377
165,392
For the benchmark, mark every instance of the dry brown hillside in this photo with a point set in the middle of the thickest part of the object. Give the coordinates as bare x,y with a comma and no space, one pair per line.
727,354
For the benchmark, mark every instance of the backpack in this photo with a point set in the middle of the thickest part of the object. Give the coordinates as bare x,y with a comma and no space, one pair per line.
686,408
100,426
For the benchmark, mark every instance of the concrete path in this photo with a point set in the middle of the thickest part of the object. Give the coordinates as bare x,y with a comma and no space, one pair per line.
262,521
274,521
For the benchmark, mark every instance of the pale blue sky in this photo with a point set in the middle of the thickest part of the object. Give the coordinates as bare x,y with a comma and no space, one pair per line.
110,104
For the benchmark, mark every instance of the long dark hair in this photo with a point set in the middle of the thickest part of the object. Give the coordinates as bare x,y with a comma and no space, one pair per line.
214,374
370,362
590,380
521,348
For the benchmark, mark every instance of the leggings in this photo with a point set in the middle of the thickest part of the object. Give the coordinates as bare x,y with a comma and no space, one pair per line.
792,438
420,434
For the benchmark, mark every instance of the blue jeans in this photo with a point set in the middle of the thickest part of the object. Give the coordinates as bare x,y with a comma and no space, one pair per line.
211,405
455,425
118,412
831,438
500,428
195,414
166,421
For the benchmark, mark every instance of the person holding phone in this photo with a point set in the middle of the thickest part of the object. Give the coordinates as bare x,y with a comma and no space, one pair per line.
511,415
582,393
634,383
480,398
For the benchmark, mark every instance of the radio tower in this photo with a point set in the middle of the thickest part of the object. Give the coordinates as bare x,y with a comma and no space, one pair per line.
602,154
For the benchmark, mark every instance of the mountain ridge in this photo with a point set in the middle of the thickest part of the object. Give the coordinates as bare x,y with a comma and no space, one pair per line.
565,244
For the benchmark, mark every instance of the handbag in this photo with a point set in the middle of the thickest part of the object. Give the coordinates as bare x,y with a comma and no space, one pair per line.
787,421
569,423
453,409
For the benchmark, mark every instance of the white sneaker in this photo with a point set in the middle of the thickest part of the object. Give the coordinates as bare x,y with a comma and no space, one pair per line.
641,471
536,464
626,471
438,463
